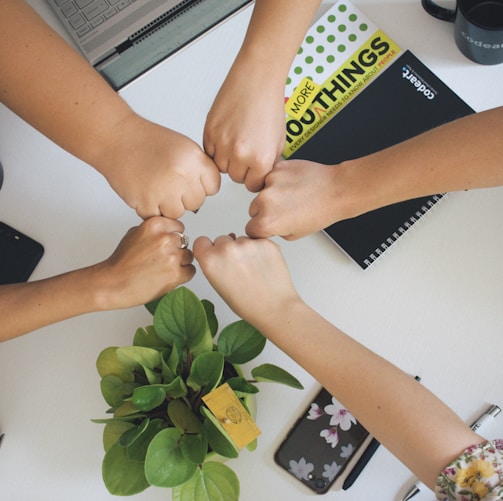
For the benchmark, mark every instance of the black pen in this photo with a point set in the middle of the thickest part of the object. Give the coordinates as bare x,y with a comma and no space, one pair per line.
361,463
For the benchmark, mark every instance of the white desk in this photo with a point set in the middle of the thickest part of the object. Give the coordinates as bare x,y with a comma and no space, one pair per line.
432,305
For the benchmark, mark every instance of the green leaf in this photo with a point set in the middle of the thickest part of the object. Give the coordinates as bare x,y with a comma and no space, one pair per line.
183,417
125,419
137,450
180,316
115,391
241,386
177,388
126,409
113,431
121,475
194,447
240,342
252,445
153,376
274,374
108,364
152,305
129,436
206,371
148,338
218,438
214,481
209,308
148,358
165,465
170,361
146,398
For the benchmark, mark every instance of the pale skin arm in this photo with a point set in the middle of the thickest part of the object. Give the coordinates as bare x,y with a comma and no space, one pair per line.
301,197
403,415
245,128
44,81
147,263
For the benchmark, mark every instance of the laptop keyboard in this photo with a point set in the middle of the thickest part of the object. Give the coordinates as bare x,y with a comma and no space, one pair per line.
85,15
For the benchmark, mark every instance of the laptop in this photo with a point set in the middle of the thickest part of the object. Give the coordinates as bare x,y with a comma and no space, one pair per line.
124,38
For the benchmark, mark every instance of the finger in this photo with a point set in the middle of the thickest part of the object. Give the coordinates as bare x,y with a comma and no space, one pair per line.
194,198
254,179
224,240
208,144
221,160
187,272
172,208
201,246
211,179
187,257
237,171
147,212
254,229
255,206
161,224
179,240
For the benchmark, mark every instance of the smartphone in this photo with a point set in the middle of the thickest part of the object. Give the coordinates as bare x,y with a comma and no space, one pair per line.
323,444
19,254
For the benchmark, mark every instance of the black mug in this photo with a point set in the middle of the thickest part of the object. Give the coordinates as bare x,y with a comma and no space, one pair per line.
1,174
478,27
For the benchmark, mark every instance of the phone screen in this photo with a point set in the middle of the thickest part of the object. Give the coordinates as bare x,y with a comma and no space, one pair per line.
19,254
319,446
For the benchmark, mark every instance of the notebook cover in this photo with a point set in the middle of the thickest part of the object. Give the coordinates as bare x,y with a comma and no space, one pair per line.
404,101
342,52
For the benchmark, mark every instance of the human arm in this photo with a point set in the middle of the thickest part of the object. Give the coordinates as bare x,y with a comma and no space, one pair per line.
302,197
245,128
404,416
147,263
44,81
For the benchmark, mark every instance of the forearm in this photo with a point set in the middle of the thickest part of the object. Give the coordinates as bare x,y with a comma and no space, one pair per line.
29,306
48,84
275,33
461,155
403,415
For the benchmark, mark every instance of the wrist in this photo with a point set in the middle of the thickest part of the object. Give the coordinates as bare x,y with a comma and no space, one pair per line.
116,145
99,288
362,186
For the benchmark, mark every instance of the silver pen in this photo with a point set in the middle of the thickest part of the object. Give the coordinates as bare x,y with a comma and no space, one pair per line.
488,415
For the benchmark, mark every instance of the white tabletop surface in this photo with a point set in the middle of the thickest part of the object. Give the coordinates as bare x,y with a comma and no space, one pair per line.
432,304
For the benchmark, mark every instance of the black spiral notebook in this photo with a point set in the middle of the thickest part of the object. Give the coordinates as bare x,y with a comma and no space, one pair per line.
403,101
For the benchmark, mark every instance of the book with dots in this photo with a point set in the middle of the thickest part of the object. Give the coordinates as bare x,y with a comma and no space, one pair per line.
342,52
372,95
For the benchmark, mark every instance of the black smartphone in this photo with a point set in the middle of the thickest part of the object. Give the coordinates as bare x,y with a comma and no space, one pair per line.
19,254
322,444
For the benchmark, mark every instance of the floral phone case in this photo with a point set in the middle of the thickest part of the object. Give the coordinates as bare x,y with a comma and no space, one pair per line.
321,443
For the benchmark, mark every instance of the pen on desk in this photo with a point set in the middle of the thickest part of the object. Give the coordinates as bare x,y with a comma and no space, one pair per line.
488,415
361,463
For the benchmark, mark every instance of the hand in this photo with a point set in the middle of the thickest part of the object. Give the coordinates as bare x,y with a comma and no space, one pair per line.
148,263
299,198
158,171
245,128
250,275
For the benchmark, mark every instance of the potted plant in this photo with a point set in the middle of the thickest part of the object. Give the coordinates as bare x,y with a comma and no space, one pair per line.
161,432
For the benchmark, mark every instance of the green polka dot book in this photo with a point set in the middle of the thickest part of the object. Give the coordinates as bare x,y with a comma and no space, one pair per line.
341,53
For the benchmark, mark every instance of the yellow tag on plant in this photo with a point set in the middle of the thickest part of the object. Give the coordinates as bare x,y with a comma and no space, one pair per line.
232,415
